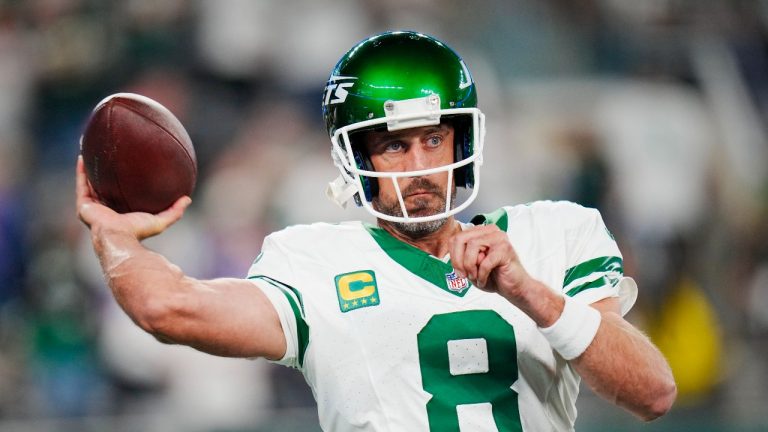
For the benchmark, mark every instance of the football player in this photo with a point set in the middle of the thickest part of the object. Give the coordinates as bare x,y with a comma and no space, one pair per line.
422,322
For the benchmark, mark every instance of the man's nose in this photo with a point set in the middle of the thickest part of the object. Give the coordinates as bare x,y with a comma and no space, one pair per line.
418,158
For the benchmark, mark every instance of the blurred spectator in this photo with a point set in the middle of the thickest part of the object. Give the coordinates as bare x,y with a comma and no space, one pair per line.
659,142
12,246
15,86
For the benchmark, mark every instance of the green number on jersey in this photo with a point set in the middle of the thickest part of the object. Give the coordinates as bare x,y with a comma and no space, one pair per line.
451,390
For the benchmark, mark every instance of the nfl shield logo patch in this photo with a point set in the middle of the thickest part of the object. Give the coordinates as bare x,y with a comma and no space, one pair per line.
455,283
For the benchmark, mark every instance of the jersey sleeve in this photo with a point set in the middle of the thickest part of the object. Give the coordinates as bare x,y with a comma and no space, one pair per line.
271,271
595,268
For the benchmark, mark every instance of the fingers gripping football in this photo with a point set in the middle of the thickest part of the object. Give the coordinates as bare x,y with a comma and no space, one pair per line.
486,257
97,216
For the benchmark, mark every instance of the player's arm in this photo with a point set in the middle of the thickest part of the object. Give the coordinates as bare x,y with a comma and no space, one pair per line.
619,363
624,367
228,317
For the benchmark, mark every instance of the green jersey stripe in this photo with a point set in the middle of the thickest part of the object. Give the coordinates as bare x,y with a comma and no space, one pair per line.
295,300
279,284
597,283
606,264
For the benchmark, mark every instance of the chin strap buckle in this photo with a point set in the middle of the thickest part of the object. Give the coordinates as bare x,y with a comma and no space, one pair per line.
340,191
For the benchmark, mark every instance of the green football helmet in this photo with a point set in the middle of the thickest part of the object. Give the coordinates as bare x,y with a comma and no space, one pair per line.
393,81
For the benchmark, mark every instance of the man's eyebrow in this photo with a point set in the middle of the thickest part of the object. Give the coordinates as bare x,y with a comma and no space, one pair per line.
436,128
426,131
376,139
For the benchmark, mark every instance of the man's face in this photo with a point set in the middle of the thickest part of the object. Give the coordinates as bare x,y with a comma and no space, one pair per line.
412,150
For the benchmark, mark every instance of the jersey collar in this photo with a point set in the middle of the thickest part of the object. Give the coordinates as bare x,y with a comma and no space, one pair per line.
424,265
416,260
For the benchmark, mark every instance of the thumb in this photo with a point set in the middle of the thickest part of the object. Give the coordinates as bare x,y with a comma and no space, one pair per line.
85,213
172,214
90,211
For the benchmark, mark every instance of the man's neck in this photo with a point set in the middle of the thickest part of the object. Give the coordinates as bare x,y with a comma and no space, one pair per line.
435,243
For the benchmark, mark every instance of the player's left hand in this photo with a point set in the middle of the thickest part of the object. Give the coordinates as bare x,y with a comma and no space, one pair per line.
486,257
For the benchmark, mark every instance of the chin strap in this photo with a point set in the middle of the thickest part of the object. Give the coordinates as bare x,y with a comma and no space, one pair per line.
339,191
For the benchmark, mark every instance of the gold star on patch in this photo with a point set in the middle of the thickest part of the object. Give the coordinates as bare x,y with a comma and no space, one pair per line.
354,303
346,305
364,301
374,300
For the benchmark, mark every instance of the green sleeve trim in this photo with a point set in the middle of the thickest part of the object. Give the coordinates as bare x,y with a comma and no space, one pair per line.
597,283
605,267
297,305
498,217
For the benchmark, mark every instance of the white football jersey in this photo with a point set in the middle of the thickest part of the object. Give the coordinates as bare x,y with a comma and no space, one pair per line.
389,339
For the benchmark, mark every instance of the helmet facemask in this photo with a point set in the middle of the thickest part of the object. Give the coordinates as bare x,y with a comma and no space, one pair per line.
359,181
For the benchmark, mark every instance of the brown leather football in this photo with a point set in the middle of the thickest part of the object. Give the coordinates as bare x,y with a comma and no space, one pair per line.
138,157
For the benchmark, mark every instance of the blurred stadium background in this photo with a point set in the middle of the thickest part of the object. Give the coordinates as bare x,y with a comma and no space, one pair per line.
653,111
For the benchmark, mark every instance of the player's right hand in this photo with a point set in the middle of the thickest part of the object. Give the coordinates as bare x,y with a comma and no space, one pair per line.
99,217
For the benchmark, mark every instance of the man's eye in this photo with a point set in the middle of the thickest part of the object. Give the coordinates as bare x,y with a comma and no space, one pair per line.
434,140
394,146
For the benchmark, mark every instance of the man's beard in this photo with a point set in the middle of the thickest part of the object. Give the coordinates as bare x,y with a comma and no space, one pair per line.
422,207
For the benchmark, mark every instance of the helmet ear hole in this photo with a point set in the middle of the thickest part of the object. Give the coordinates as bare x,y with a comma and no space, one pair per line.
463,149
363,162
